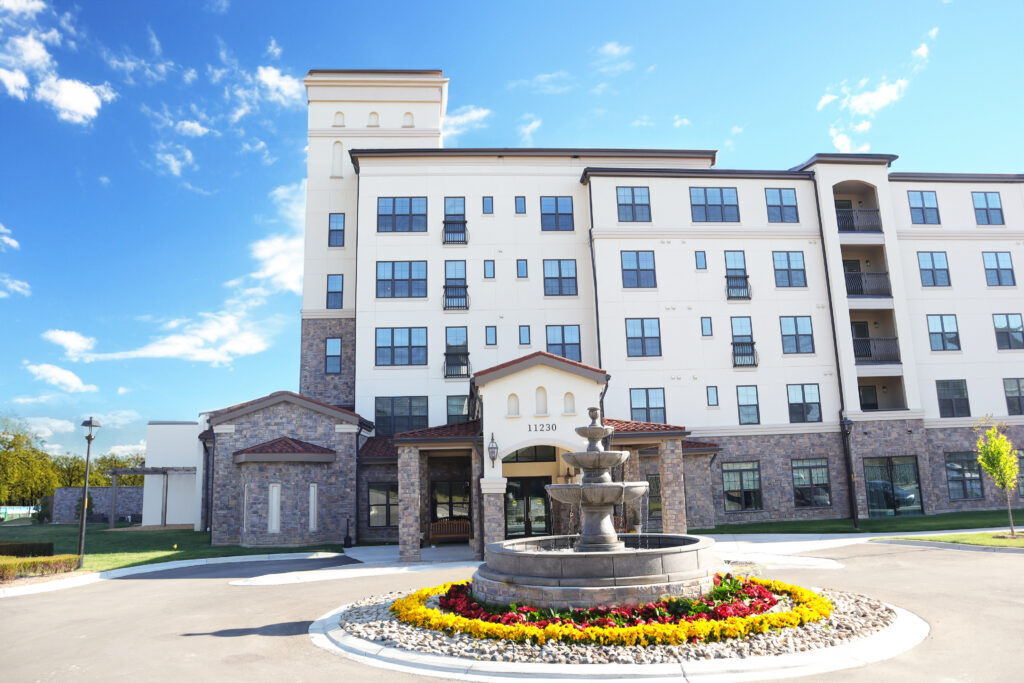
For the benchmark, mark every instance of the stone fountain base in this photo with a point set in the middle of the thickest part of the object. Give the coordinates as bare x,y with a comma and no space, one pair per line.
544,572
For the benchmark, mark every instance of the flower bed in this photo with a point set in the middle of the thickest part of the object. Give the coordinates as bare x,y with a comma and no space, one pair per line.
735,608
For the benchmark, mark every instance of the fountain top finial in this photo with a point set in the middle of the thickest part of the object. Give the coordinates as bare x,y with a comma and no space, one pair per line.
595,432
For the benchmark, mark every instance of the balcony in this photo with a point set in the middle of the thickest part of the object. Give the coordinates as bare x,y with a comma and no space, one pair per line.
456,362
744,355
456,298
881,394
859,220
454,232
737,287
868,284
876,350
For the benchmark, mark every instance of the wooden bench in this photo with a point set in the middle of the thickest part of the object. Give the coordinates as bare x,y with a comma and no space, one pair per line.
450,530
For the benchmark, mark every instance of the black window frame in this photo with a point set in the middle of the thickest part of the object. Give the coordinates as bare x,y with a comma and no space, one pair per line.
1011,335
740,406
709,329
743,346
436,495
384,422
633,205
1014,403
336,295
490,332
997,276
988,211
524,328
560,218
970,473
750,498
448,406
387,287
791,277
488,268
412,349
707,395
335,234
328,356
562,347
634,277
706,209
935,274
645,339
549,454
647,412
942,338
653,496
487,205
700,260
388,487
417,222
781,215
950,405
922,213
813,467
804,410
522,272
456,351
520,205
798,340
560,284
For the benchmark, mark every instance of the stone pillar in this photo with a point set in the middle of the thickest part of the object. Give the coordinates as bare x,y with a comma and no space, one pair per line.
476,461
408,504
700,503
492,490
673,489
631,472
113,500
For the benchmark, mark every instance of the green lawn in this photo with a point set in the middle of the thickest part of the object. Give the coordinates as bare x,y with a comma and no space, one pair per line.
950,520
974,539
106,549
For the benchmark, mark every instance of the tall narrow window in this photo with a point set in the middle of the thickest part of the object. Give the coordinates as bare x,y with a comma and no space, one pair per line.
942,333
712,394
274,509
789,269
456,352
934,268
524,335
705,327
1014,390
701,260
643,337
746,400
1009,330
332,356
458,409
456,292
520,204
781,205
488,270
998,268
797,336
924,207
383,504
638,269
953,401
647,405
541,401
337,159
564,341
521,268
634,204
560,277
312,507
334,291
491,335
742,484
653,496
742,342
454,220
737,285
804,403
336,231
488,205
714,205
556,213
401,279
988,209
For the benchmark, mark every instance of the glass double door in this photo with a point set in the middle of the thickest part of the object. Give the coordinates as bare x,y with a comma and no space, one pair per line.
526,507
893,486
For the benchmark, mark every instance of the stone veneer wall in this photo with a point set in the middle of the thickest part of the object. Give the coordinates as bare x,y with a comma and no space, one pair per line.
377,473
66,499
887,438
410,466
339,389
942,441
237,487
673,487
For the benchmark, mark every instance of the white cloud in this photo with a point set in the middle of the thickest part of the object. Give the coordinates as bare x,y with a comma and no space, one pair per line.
736,130
45,427
104,181
468,117
922,51
74,101
862,127
189,76
60,378
121,391
31,400
9,285
192,129
642,121
611,59
651,68
281,88
933,33
552,83
131,65
599,89
127,449
280,256
259,147
15,82
826,99
841,141
218,6
6,240
73,343
28,8
154,42
870,102
116,418
29,52
198,190
175,158
678,121
273,49
614,50
527,129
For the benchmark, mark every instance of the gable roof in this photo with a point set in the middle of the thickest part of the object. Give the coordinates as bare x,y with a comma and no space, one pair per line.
461,431
378,448
626,430
224,414
539,358
285,444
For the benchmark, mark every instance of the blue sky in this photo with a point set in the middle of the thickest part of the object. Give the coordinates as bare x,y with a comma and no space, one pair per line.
152,154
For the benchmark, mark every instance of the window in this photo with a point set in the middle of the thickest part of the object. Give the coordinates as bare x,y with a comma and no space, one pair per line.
714,205
1014,389
934,268
643,337
988,210
556,213
401,346
456,293
532,454
647,405
334,287
702,260
332,356
998,268
520,204
953,400
638,269
401,214
489,270
336,230
797,336
712,392
804,403
653,496
634,204
383,501
274,509
742,342
521,268
746,400
868,395
396,414
705,327
312,507
781,205
942,333
789,269
564,341
924,208
458,409
560,277
810,483
963,475
454,220
401,279
449,500
488,205
456,352
742,484
1009,330
524,335
491,335
737,286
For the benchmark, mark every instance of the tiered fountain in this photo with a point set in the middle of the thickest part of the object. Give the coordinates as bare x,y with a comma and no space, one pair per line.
600,566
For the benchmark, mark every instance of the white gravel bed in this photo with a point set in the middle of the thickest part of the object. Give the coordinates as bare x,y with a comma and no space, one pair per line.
853,616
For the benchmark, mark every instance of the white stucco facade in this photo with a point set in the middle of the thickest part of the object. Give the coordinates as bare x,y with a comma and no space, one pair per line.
174,444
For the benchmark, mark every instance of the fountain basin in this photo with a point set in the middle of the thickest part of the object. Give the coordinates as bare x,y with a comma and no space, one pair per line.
608,493
595,460
546,572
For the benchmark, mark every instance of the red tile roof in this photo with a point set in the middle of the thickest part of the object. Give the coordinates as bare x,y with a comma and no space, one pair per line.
461,430
536,354
206,434
633,426
285,444
378,448
280,394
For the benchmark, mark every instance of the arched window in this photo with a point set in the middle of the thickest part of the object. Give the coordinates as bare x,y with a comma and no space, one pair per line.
407,120
337,159
374,121
569,403
542,401
513,406
532,454
339,119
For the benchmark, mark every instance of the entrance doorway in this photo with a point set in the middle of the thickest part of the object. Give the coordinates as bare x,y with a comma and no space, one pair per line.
893,486
526,507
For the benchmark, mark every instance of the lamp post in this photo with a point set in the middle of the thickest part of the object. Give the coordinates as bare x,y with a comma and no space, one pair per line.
492,450
89,425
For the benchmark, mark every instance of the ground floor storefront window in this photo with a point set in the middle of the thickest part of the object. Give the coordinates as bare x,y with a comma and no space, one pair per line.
449,500
810,483
893,486
963,475
383,504
742,484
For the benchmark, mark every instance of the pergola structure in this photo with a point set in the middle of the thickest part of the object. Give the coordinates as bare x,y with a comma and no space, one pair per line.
117,471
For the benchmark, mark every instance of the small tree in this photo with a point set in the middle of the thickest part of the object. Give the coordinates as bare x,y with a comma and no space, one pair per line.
998,458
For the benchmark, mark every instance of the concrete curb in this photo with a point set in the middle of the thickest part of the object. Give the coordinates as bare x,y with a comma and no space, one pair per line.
903,634
948,545
76,581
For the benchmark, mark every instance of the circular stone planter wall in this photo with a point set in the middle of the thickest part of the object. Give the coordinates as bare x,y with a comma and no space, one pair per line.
546,572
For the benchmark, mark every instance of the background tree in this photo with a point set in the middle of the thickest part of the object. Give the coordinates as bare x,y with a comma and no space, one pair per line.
26,471
112,461
998,458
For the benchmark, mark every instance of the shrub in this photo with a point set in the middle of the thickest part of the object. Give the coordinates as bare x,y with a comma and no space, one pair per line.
13,567
25,549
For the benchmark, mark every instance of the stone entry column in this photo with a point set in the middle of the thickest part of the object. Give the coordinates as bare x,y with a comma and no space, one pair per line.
409,504
492,490
631,472
113,501
476,517
673,490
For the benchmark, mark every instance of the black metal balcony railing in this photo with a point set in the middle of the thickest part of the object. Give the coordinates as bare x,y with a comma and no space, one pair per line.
859,220
455,232
737,287
456,297
876,349
744,355
456,362
868,284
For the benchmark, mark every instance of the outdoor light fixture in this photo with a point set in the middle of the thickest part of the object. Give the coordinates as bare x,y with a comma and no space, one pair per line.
89,426
847,425
492,450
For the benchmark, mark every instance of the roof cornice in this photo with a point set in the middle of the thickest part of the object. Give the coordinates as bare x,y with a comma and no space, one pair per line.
592,171
571,152
834,158
958,177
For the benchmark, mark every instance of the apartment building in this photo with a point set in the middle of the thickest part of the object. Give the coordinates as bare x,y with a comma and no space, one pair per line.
826,333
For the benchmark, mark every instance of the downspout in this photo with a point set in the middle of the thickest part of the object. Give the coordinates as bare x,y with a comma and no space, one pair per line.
847,457
355,364
593,272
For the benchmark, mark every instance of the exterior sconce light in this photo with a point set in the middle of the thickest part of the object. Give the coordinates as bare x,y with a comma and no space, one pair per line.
847,425
492,450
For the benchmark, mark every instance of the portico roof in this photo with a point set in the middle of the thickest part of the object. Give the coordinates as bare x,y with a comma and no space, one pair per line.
481,377
629,431
468,431
285,449
218,416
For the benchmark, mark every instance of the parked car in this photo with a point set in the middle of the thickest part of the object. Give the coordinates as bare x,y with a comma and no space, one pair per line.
883,494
